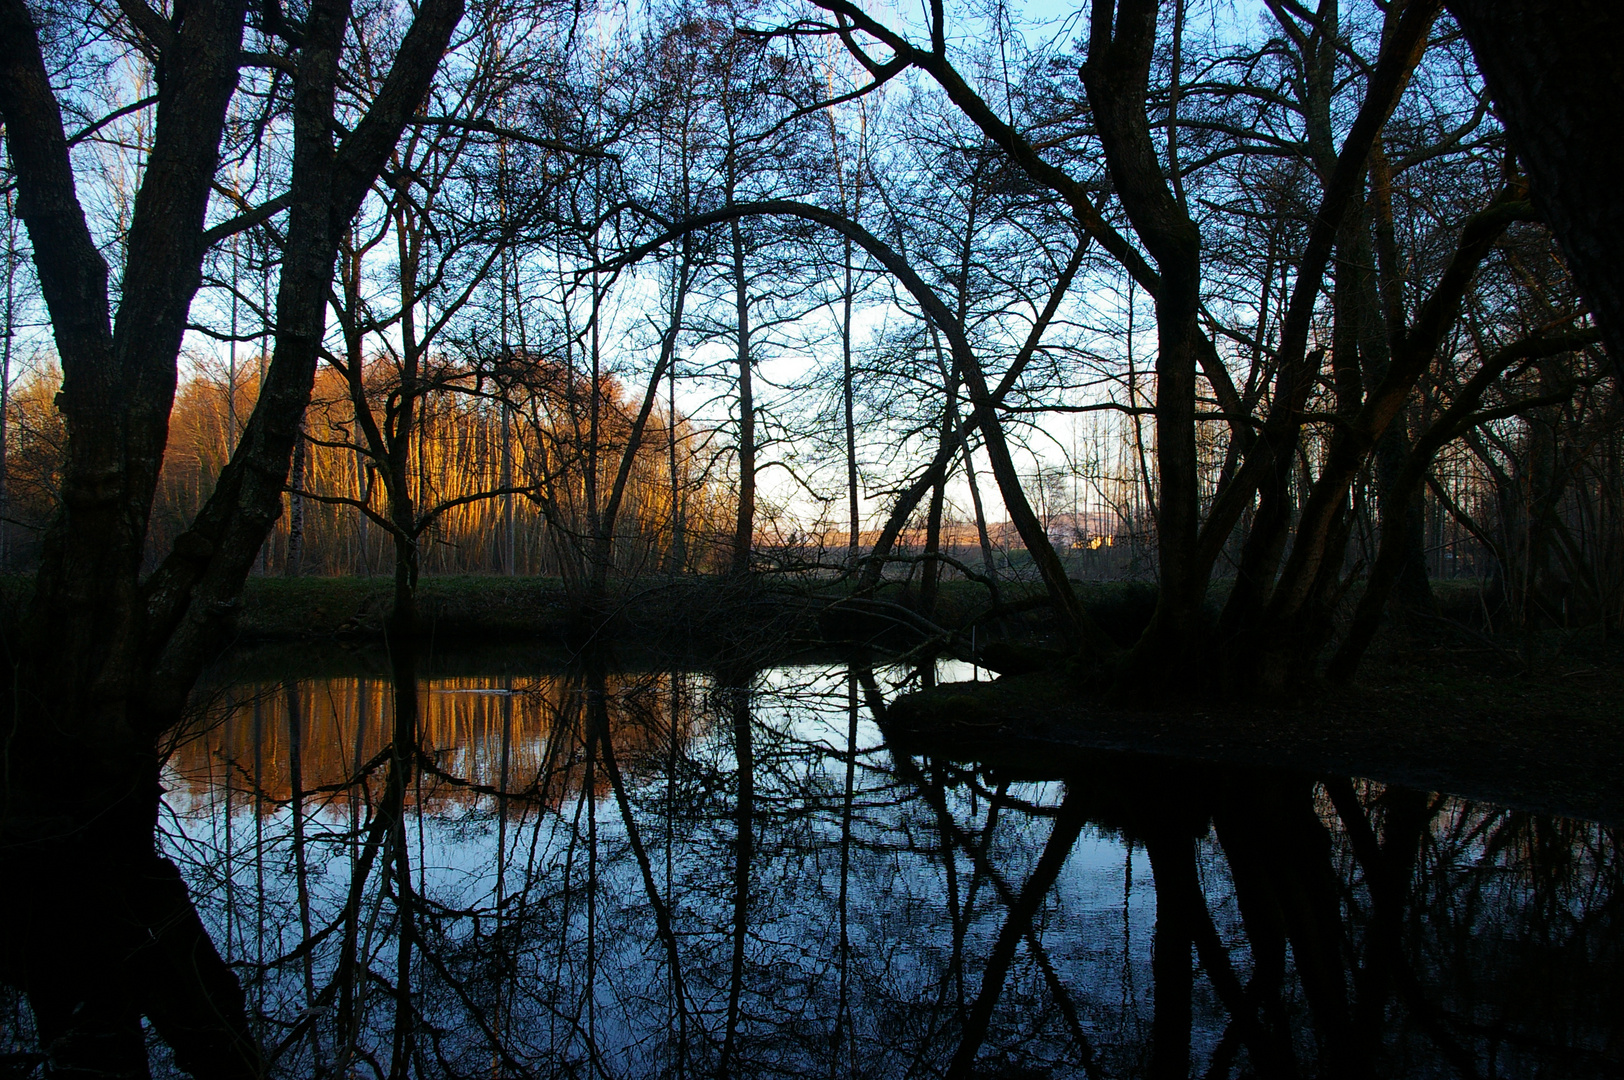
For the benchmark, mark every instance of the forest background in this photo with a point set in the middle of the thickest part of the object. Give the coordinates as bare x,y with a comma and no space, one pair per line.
589,324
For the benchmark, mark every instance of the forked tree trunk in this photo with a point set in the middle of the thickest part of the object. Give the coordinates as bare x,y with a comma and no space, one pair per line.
1256,602
1116,77
1263,654
1451,424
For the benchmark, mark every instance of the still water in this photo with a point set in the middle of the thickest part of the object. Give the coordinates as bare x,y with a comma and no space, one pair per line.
677,873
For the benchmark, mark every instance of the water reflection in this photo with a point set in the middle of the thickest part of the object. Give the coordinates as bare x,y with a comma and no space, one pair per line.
746,873
478,738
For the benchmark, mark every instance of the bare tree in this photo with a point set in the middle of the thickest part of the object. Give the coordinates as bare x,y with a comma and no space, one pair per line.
107,660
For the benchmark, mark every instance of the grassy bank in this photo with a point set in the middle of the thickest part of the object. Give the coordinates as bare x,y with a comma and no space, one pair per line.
488,607
498,607
1523,717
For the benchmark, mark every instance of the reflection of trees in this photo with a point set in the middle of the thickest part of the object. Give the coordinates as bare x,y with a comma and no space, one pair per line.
483,741
1354,935
675,874
1530,937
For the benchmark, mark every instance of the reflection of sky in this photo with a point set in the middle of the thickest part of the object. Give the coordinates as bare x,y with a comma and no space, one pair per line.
899,924
574,953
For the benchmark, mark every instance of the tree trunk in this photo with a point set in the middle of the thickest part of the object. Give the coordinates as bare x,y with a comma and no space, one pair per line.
510,546
745,525
848,402
603,541
1116,77
110,931
677,557
1553,70
8,329
989,564
931,571
293,564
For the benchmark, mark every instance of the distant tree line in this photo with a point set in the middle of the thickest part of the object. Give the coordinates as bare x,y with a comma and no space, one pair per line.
468,445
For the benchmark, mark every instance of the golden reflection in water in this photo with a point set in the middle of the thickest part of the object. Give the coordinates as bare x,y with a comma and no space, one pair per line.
527,737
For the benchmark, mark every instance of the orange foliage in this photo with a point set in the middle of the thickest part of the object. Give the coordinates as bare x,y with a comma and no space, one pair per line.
458,452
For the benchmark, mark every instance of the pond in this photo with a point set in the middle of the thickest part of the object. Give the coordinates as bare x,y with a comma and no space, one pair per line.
665,873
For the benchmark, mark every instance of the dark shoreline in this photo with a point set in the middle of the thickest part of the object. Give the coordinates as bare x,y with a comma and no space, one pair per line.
1533,722
1547,742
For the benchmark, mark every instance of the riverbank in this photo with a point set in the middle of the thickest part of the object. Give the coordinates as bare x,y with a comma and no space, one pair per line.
1537,727
786,609
681,608
1528,721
